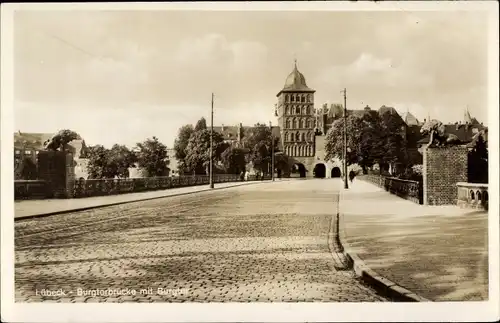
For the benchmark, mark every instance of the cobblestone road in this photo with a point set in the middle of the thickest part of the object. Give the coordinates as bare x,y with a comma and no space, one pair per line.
264,242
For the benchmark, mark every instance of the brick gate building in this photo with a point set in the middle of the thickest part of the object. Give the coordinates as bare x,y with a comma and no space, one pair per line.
300,125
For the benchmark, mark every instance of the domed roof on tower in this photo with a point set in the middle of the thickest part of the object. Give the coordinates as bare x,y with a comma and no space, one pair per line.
296,82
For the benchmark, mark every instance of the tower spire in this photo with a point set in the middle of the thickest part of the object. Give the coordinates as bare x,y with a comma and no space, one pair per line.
467,117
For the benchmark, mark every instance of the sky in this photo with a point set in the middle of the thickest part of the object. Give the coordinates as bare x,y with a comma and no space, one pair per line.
124,76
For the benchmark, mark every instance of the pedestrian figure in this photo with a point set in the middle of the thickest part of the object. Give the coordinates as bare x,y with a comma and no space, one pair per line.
352,175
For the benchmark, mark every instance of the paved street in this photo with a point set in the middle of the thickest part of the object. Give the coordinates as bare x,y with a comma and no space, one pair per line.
262,242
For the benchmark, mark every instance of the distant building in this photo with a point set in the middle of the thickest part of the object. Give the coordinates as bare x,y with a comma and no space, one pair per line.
410,119
28,144
235,135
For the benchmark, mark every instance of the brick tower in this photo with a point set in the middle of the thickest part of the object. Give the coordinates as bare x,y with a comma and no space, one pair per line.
296,118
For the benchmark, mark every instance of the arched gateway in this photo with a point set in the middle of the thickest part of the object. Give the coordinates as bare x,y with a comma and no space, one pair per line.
320,171
336,172
299,170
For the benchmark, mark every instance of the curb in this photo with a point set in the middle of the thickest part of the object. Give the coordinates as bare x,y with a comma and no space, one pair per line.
381,284
41,215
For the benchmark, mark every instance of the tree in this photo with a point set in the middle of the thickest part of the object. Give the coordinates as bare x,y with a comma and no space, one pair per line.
334,142
259,156
393,139
201,125
180,146
370,139
233,160
152,157
60,140
258,142
120,159
109,163
371,146
198,150
98,166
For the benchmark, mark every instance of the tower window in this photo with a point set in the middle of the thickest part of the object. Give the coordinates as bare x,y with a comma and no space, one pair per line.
297,110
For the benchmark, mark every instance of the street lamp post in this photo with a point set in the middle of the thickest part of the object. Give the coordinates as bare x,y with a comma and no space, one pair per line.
211,143
346,185
272,151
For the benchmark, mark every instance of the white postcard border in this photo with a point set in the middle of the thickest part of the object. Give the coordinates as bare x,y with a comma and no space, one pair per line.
282,312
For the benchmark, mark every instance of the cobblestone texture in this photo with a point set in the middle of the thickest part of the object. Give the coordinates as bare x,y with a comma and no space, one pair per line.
265,243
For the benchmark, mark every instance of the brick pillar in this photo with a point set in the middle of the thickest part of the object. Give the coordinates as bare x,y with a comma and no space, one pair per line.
70,176
443,168
58,170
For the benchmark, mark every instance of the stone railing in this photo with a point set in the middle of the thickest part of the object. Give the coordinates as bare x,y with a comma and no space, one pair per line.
410,190
473,195
99,187
378,180
31,189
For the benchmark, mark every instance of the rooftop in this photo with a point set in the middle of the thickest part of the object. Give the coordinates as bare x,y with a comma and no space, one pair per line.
464,132
35,141
295,82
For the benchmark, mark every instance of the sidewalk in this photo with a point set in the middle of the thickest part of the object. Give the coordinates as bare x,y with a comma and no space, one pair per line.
30,208
437,252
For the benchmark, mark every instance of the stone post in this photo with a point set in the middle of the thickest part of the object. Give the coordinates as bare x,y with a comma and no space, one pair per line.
58,170
443,168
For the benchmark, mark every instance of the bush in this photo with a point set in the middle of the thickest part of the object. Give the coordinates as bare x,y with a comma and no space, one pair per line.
413,173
